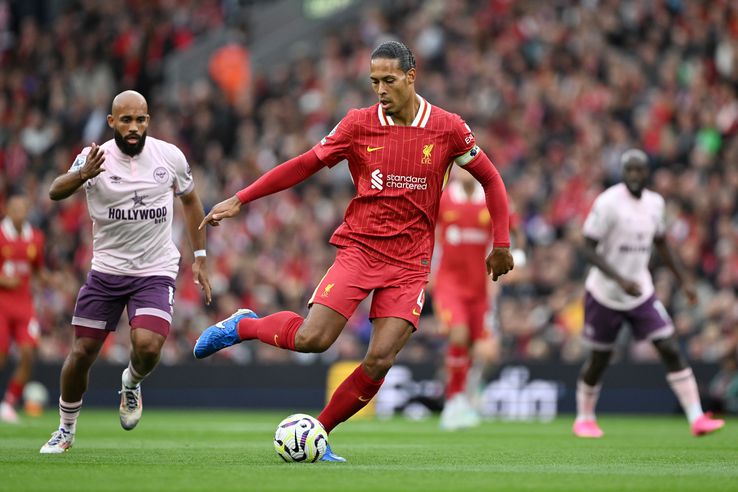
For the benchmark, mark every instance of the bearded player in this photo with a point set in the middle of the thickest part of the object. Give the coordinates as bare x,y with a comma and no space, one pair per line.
130,182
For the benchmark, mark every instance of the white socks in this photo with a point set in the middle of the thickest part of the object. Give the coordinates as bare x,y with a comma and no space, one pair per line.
131,379
587,397
68,413
685,387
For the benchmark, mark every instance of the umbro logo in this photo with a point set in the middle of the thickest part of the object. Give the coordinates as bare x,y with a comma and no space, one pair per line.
115,179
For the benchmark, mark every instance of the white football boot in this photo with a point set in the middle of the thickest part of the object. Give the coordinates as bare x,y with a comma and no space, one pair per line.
131,406
61,440
8,413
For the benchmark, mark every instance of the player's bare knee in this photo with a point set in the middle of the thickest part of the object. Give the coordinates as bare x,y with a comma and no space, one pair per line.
377,366
313,341
147,349
83,354
458,336
670,354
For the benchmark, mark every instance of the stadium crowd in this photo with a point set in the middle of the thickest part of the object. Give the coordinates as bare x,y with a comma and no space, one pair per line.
554,91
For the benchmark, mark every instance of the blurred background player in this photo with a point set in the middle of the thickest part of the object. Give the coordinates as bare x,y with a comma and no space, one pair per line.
21,256
625,222
462,293
135,261
399,153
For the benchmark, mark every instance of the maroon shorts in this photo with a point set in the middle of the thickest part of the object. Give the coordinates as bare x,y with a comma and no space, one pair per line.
455,312
100,302
648,321
18,324
398,292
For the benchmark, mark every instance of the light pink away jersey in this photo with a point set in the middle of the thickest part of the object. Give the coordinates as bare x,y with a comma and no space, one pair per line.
624,227
131,206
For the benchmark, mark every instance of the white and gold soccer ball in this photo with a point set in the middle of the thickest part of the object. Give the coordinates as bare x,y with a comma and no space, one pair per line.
300,438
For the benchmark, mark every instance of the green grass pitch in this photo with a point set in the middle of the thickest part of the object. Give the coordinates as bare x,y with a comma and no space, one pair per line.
187,450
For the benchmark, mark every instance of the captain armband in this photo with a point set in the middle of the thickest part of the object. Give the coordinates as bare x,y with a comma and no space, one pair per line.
465,159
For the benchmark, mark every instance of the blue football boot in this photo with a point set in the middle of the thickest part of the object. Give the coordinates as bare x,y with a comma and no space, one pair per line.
329,456
221,335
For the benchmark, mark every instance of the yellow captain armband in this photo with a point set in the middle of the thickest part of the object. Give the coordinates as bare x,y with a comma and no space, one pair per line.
465,159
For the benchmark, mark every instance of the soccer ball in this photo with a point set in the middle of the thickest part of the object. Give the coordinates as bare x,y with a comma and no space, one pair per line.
300,438
36,396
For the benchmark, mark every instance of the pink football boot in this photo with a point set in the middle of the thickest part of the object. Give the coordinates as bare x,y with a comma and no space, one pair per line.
587,428
706,425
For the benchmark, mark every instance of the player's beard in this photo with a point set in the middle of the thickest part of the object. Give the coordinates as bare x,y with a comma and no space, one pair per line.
129,149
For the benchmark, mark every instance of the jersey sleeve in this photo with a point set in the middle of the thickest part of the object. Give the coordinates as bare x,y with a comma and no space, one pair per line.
335,146
183,181
463,145
598,221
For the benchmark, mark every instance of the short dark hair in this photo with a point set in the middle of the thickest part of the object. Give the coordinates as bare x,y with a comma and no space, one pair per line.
395,50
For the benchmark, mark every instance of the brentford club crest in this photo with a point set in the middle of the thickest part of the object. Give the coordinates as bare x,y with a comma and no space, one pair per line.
161,175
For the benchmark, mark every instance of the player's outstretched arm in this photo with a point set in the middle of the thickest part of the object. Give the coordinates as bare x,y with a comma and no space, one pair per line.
671,261
223,210
66,184
194,215
275,180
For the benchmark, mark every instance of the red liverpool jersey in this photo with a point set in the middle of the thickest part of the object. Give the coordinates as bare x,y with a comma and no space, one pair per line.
20,255
399,173
465,237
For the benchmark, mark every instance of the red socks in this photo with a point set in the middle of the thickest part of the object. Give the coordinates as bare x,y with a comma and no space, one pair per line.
13,393
457,368
277,329
351,396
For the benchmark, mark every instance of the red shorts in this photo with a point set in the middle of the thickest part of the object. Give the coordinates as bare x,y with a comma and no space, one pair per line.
398,292
19,326
454,312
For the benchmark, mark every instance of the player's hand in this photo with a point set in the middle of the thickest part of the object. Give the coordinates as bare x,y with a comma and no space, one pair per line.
691,292
499,262
631,288
200,273
223,210
93,163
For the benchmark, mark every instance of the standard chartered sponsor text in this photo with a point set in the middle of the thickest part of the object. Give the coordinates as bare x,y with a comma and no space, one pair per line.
407,182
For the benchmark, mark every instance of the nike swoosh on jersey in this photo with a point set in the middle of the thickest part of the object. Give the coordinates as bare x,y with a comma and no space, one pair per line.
361,398
372,149
415,312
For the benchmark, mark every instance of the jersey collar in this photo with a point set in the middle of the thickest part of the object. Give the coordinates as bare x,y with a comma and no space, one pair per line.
421,118
10,233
